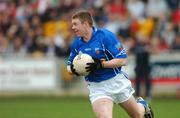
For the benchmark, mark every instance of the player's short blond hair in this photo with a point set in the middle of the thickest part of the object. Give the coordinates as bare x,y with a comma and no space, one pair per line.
83,16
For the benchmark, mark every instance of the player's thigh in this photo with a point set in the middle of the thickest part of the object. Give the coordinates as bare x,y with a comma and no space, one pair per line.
103,107
132,107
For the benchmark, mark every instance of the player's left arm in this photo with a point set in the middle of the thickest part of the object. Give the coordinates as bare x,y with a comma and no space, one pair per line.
114,63
115,48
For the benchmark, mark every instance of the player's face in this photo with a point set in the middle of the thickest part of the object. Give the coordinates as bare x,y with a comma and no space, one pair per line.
78,27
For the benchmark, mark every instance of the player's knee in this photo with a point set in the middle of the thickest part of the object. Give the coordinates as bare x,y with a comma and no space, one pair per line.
103,115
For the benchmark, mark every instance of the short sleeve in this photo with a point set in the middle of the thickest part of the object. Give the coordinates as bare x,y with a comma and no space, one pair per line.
114,46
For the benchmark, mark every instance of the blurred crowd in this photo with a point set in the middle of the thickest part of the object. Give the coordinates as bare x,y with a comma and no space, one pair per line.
41,28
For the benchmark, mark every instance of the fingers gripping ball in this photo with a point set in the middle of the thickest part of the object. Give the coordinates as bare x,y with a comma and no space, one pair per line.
80,63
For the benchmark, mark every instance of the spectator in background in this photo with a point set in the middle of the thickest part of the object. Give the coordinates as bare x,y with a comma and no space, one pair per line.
3,43
173,4
176,43
158,45
168,34
136,8
142,68
117,13
23,11
11,9
146,26
17,49
5,20
30,41
100,17
176,19
156,8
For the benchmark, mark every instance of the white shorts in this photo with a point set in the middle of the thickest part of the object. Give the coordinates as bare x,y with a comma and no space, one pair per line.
118,89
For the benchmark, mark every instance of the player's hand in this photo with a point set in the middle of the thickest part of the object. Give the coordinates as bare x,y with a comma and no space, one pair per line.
73,70
97,64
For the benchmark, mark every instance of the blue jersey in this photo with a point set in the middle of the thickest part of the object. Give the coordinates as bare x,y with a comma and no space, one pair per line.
102,45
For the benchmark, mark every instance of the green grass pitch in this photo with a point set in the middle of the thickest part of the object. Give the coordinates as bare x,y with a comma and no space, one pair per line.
73,107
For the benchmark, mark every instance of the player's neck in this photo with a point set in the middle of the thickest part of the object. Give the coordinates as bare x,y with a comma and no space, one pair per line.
88,34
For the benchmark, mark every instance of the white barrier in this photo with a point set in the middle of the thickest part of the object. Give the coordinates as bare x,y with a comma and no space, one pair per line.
27,74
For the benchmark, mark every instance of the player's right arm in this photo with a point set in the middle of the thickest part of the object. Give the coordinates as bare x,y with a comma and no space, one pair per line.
73,53
70,59
69,66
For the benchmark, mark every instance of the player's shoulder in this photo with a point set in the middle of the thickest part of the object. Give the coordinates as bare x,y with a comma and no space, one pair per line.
107,35
103,31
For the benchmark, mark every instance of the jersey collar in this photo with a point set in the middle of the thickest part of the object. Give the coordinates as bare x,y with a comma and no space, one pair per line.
93,33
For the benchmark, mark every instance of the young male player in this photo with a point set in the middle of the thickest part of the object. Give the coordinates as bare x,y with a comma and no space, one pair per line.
107,84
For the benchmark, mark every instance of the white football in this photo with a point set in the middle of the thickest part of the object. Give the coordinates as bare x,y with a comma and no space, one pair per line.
80,63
